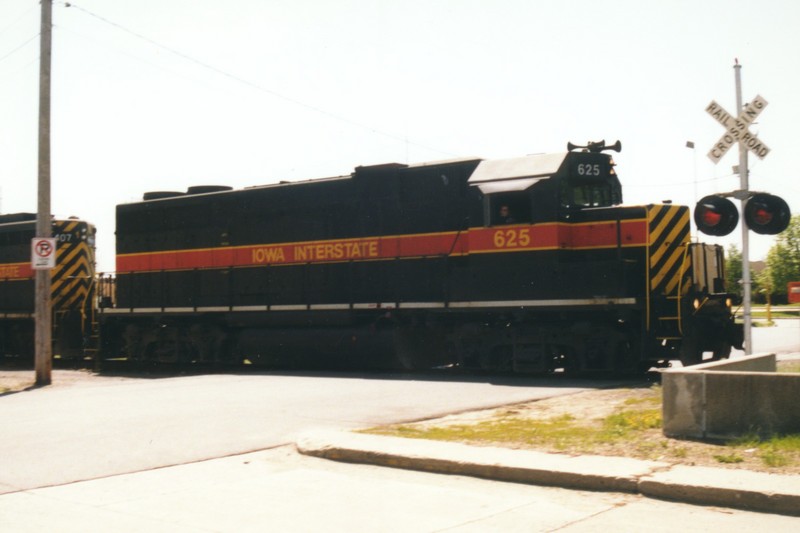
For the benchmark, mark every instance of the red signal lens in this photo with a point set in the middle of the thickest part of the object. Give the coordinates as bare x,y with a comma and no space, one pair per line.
710,217
762,217
767,214
716,215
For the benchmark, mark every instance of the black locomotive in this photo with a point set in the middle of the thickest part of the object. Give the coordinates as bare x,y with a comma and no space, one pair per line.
72,287
529,264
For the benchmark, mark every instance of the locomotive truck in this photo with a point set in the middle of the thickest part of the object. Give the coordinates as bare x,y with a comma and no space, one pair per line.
414,266
72,288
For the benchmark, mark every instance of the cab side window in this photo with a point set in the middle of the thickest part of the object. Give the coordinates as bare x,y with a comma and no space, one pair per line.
509,209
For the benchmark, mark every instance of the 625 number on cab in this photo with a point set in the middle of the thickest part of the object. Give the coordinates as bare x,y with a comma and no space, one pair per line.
512,238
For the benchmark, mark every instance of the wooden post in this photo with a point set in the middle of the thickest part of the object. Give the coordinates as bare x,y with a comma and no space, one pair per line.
43,311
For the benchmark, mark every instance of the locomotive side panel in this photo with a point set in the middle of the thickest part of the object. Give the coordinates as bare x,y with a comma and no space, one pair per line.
16,283
310,238
313,253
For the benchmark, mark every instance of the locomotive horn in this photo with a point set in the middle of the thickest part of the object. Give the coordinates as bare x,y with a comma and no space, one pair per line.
596,147
590,146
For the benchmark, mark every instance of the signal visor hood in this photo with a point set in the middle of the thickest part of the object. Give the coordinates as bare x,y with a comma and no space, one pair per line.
507,175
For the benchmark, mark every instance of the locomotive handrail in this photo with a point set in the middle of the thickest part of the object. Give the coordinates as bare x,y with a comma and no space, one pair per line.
680,286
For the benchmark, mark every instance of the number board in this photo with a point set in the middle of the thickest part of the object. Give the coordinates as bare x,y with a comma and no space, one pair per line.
590,166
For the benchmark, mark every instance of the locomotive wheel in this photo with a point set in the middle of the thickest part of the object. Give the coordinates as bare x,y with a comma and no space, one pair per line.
500,359
722,350
624,357
421,347
691,354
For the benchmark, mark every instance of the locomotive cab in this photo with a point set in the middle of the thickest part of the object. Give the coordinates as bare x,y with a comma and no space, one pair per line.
547,187
589,181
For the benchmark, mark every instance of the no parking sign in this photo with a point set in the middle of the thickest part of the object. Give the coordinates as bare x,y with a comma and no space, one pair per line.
43,253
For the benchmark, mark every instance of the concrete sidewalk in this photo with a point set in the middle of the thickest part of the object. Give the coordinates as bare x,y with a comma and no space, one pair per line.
752,491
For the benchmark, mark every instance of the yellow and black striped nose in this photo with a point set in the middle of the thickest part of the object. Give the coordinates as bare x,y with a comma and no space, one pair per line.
72,278
669,229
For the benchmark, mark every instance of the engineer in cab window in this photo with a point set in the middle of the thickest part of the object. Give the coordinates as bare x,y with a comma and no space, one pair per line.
504,215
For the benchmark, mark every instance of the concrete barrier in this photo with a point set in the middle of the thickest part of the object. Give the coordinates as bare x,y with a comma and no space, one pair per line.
730,398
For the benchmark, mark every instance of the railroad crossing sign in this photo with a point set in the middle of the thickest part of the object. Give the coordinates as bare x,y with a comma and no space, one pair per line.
738,129
43,254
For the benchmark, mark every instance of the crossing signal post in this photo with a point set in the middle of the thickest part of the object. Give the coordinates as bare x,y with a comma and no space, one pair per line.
763,213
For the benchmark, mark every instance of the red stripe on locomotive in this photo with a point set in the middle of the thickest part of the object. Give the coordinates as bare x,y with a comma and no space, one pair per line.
11,271
476,240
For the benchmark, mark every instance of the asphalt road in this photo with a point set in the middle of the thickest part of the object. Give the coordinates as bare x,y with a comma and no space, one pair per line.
56,435
784,337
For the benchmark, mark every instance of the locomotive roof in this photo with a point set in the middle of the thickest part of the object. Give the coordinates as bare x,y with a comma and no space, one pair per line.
519,173
529,166
490,175
174,195
445,162
30,218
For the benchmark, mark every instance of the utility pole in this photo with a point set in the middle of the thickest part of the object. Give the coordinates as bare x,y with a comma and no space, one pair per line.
744,187
43,311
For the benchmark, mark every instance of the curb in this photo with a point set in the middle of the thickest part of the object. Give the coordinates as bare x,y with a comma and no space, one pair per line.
752,491
741,489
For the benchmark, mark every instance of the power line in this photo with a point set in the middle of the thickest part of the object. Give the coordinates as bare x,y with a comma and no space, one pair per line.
653,186
17,19
19,47
92,40
253,85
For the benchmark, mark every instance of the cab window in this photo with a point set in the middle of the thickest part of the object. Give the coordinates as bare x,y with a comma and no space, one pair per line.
509,209
588,193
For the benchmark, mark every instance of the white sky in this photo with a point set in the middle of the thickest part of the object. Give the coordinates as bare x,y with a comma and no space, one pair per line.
270,90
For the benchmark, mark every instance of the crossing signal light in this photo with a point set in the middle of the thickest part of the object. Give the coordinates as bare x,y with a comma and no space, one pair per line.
767,214
716,215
